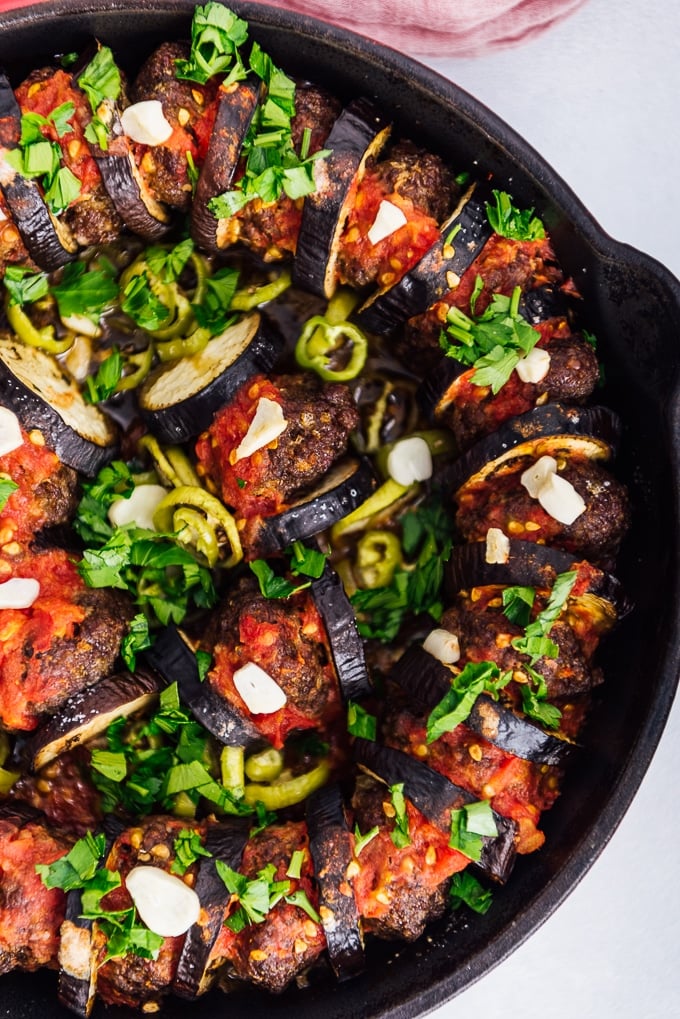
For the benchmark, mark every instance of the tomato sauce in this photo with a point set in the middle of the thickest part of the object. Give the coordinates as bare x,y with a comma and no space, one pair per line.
30,466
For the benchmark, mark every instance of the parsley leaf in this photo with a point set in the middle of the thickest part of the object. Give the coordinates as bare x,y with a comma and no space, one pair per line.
216,35
517,604
101,78
456,704
400,833
466,890
168,264
492,342
213,311
509,221
360,841
308,562
255,896
102,384
360,722
415,587
535,641
83,290
77,867
7,486
142,305
468,826
24,286
137,639
188,849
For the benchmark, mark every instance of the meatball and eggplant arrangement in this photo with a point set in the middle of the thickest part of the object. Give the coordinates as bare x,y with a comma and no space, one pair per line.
309,519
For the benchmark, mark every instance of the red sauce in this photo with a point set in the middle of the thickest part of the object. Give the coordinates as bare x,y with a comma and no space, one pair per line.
29,467
247,485
27,634
391,258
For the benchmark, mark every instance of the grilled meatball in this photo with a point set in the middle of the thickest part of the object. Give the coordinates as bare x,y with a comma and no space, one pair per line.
516,788
30,913
271,229
47,492
272,953
190,109
91,217
473,411
63,792
68,639
285,638
319,418
596,534
132,981
12,248
417,183
399,891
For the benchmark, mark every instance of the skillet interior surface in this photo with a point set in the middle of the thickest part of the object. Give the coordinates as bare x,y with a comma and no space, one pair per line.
633,306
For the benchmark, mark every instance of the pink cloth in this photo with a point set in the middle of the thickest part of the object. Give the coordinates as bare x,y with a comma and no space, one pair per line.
457,28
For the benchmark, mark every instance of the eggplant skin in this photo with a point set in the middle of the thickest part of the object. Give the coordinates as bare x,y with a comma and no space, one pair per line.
359,133
331,849
346,644
431,278
236,106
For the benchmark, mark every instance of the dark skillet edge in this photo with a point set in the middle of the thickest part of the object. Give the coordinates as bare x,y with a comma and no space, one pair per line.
423,979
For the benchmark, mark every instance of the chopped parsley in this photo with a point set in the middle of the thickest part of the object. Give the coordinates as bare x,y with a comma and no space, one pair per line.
138,638
216,37
7,486
304,561
38,157
84,290
24,286
416,587
457,703
257,896
168,264
144,768
164,577
469,825
188,849
80,869
213,311
100,81
466,890
142,304
360,722
400,833
509,221
492,342
103,383
361,841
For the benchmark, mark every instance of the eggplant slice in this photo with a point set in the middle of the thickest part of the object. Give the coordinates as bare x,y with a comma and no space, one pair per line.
331,849
358,134
347,647
225,841
89,712
236,107
178,400
553,429
48,242
348,483
435,796
439,271
427,680
529,565
171,656
34,387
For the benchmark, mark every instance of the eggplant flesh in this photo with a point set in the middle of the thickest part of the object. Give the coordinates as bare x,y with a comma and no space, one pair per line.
347,647
225,841
89,712
435,796
331,849
437,273
33,385
359,133
179,400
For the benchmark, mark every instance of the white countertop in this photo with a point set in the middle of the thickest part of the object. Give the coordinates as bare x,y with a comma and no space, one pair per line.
598,97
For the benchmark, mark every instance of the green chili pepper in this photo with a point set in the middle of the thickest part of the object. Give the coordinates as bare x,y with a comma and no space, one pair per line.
7,780
265,766
142,361
183,346
28,333
320,340
251,297
231,769
171,463
200,533
385,496
293,790
378,557
216,515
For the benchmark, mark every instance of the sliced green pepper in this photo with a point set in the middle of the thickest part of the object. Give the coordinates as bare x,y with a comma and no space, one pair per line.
265,766
183,346
216,515
141,362
378,557
385,496
251,297
320,341
31,335
293,790
231,770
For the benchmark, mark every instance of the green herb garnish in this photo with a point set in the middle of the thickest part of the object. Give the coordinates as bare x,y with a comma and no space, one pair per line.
188,849
25,286
216,37
83,290
360,722
103,383
400,833
360,841
457,703
466,890
469,825
509,221
7,486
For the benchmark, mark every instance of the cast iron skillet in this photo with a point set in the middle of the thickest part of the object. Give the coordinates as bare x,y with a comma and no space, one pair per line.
634,309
